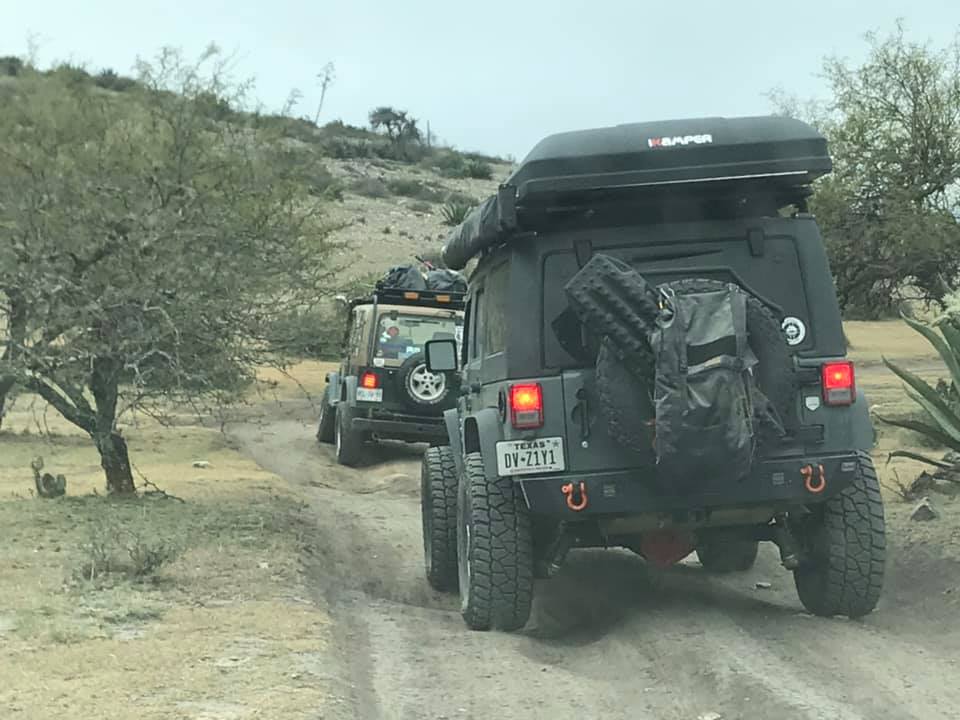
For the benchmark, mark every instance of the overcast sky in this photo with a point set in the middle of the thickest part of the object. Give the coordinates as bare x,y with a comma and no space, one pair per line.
490,75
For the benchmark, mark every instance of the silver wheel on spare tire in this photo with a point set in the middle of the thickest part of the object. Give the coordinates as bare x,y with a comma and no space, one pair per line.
494,550
421,389
844,541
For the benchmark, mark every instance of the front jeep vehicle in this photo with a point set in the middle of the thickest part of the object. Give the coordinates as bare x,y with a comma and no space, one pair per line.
383,390
653,359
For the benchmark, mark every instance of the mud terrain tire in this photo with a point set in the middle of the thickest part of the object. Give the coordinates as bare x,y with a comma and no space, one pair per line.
845,544
348,442
494,550
326,431
728,556
438,508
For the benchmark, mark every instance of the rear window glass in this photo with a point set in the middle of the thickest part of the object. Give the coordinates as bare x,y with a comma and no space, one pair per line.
400,336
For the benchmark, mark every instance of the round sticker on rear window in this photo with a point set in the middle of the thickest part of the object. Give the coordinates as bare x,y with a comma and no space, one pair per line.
794,330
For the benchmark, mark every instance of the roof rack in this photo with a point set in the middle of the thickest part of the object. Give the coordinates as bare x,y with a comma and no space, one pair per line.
414,298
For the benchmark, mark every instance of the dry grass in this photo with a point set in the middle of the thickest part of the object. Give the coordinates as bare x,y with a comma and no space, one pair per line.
219,630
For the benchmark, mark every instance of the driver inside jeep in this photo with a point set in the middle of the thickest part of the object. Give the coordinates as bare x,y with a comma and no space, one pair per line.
392,345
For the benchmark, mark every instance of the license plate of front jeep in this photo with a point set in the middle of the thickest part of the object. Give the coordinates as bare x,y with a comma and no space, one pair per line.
525,457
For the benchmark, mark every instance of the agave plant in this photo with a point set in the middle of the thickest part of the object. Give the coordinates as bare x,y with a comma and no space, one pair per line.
455,211
942,423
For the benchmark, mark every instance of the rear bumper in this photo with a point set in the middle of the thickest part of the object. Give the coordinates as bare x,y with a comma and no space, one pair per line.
775,482
410,428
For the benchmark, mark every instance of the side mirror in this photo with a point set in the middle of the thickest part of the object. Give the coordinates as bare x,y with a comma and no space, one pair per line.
441,355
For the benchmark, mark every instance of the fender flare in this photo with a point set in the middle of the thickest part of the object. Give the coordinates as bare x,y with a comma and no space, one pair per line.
451,418
350,394
482,431
864,434
333,388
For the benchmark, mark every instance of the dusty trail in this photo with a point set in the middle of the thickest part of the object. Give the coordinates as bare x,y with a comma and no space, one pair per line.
609,637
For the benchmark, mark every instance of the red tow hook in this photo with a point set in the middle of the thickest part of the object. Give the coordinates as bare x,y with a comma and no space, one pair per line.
568,491
814,479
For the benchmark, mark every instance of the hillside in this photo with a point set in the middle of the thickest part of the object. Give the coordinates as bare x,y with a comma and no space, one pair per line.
392,210
382,189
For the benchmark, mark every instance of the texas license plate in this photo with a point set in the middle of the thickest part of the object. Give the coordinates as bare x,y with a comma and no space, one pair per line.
525,457
368,395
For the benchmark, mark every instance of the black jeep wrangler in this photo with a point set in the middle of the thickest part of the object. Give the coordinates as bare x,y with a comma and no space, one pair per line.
383,389
653,359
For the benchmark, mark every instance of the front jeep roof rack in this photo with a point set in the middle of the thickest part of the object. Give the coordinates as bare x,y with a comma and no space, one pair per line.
439,299
627,163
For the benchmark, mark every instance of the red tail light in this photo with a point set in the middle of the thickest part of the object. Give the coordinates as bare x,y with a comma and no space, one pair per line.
526,405
838,383
370,381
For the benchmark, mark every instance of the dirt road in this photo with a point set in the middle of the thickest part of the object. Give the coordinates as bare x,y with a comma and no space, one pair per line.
609,638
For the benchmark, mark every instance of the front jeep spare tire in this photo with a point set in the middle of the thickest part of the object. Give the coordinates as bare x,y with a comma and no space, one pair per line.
422,390
438,509
494,550
844,542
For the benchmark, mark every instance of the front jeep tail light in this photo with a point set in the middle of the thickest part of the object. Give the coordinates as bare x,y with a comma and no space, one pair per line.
838,383
370,381
526,406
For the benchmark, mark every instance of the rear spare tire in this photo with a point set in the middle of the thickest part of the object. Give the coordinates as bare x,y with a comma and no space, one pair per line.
438,509
844,543
494,550
625,392
422,390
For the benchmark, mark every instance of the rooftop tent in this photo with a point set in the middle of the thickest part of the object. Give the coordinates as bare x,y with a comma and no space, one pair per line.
700,155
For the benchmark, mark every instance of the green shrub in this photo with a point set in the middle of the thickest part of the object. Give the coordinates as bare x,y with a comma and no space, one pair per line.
10,65
459,198
110,80
407,187
370,187
313,333
130,549
320,182
478,170
295,128
213,106
338,128
348,148
420,207
70,75
447,163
